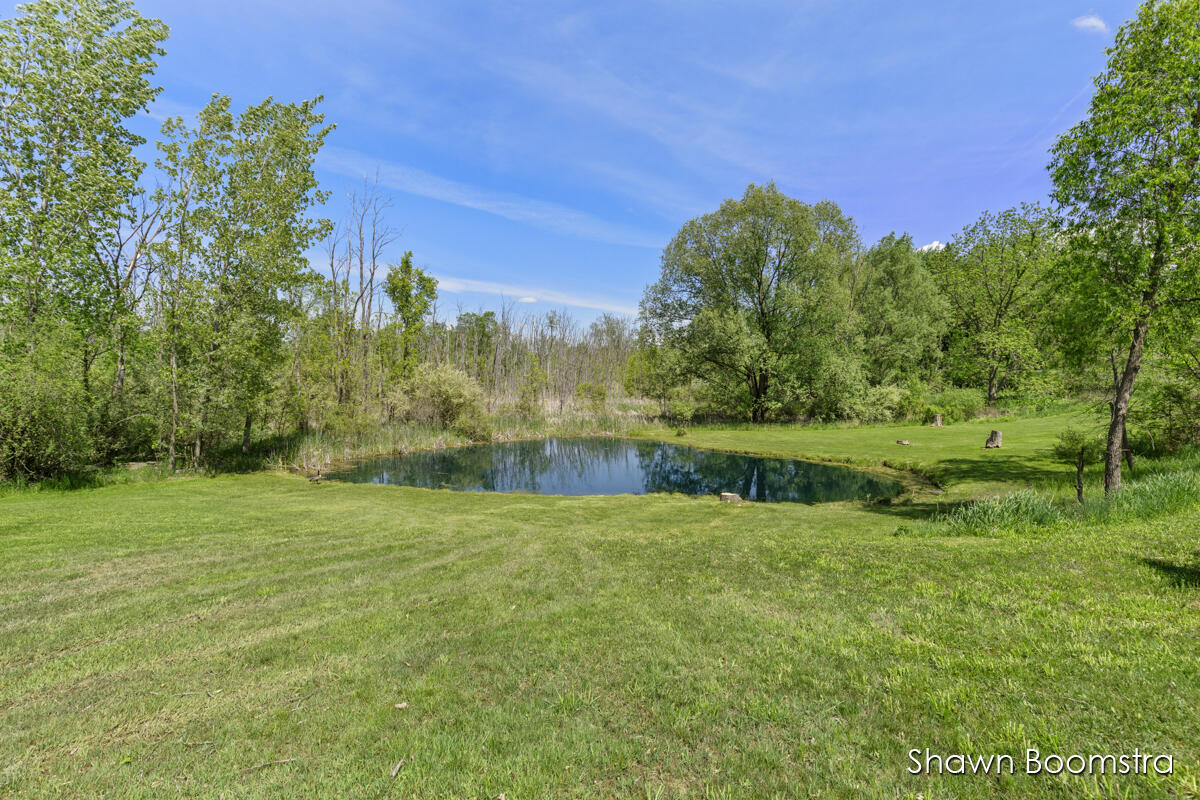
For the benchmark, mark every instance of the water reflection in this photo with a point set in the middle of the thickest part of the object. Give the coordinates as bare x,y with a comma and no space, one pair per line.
602,466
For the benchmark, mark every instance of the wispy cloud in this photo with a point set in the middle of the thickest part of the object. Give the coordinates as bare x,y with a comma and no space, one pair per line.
538,213
524,294
1090,23
683,123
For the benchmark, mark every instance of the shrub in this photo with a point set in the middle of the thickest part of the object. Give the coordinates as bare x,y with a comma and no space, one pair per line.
43,422
955,405
448,398
681,407
473,427
533,382
593,396
912,402
878,404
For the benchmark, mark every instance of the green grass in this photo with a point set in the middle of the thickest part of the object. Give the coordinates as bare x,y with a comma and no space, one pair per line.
166,639
952,456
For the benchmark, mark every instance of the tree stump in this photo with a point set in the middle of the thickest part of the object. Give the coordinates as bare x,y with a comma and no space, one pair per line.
730,497
937,421
993,441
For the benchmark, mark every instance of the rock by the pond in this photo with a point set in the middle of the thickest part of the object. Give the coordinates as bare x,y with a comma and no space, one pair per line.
993,441
937,421
904,442
730,497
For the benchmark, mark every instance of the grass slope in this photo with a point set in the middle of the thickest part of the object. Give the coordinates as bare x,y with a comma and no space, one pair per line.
952,456
170,639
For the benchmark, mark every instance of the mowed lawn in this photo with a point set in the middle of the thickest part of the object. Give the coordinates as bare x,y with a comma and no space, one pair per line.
953,456
251,637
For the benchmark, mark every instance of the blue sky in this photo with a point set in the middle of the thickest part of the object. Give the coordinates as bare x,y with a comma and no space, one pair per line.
547,152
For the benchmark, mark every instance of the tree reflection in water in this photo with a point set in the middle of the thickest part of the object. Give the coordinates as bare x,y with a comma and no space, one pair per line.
590,466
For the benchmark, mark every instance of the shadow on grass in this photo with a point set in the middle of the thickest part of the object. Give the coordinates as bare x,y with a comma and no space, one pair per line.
996,469
1181,575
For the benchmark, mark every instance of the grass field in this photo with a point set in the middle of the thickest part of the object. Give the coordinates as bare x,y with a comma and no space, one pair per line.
252,636
952,456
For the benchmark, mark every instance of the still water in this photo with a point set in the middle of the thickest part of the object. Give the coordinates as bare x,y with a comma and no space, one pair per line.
590,466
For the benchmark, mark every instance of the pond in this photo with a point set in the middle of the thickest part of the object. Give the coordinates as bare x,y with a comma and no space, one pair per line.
605,466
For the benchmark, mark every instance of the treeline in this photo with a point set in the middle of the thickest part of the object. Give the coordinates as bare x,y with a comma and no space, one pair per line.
170,311
771,308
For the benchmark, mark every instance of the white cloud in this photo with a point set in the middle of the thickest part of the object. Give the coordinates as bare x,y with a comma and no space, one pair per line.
934,245
1090,23
538,213
525,294
683,123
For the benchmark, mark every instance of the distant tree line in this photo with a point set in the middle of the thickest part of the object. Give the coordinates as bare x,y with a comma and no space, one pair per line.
167,310
772,308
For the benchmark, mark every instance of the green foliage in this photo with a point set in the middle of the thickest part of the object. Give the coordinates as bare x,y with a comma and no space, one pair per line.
413,293
912,400
593,396
955,405
994,275
681,407
533,383
1127,179
900,311
43,417
72,226
1073,441
749,296
449,398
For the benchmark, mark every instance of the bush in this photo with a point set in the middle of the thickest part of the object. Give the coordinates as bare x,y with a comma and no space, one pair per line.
912,402
878,404
534,381
473,428
448,398
681,410
593,395
43,422
955,405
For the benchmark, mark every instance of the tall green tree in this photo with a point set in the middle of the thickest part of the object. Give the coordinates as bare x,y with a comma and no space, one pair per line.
233,261
994,277
900,312
71,75
413,293
1128,180
752,295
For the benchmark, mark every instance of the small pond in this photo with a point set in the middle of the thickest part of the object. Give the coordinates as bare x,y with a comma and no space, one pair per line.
596,466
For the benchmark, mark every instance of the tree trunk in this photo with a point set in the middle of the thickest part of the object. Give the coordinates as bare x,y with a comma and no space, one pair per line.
1127,450
1120,408
993,388
196,452
174,410
246,435
1079,474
